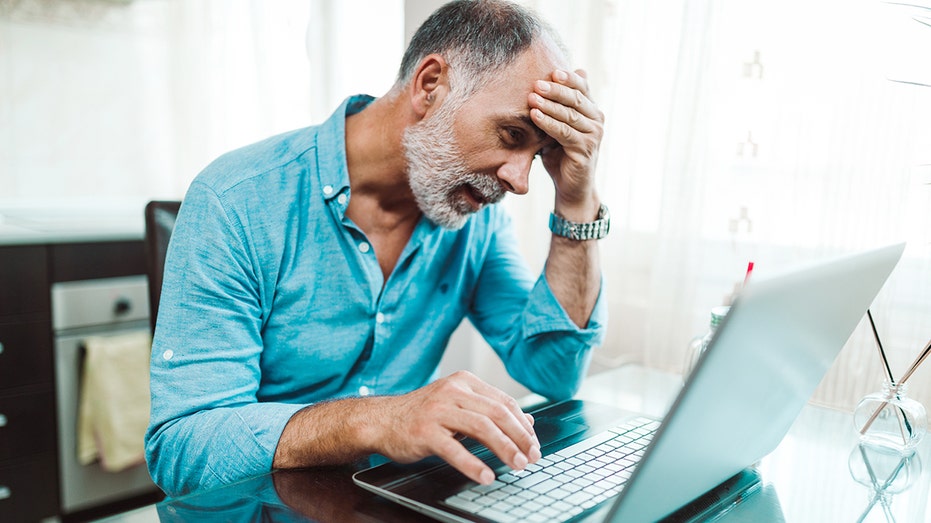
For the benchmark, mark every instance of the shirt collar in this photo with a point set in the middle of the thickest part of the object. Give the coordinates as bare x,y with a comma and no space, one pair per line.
333,170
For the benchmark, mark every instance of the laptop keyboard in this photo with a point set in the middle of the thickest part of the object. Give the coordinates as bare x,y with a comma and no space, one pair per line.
564,484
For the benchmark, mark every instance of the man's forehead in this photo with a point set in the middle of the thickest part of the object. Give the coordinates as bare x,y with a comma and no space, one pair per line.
537,62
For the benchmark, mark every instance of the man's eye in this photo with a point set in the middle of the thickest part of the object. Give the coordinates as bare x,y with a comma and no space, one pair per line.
513,136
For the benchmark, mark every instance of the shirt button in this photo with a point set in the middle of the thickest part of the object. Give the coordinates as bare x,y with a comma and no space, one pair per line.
327,190
341,199
364,391
380,318
364,247
168,354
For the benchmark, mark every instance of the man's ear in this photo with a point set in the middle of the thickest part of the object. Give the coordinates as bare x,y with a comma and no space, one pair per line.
430,85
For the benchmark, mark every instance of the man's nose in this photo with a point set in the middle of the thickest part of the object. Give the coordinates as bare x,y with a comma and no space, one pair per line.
514,174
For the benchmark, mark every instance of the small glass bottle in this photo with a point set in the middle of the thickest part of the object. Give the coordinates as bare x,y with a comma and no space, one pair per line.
699,344
889,418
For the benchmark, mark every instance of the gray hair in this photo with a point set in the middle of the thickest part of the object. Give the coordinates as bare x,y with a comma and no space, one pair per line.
476,37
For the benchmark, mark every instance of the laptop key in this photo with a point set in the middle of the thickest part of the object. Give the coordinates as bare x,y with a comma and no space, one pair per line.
578,498
507,477
584,445
464,504
495,485
497,515
531,480
533,506
520,512
544,486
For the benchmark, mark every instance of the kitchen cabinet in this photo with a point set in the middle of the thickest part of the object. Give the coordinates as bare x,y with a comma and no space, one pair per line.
30,468
27,406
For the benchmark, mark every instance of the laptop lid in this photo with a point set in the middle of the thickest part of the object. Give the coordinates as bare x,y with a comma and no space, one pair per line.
764,363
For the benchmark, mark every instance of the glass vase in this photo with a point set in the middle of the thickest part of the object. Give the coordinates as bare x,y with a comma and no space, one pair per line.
890,419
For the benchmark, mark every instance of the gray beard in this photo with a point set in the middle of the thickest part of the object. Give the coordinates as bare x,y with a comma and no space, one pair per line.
438,175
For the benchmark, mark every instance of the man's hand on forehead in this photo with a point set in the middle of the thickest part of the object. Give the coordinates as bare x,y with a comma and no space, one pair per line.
562,108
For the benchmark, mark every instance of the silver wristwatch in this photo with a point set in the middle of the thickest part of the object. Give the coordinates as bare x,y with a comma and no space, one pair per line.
595,230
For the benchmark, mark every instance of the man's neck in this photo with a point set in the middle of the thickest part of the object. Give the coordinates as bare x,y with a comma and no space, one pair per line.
381,196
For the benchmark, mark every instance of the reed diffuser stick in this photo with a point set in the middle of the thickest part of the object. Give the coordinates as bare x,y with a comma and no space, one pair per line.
901,414
879,344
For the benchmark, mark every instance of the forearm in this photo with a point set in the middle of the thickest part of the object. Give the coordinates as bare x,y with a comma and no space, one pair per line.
329,433
573,269
410,427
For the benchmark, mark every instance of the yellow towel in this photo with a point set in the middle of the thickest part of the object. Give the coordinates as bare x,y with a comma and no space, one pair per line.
114,405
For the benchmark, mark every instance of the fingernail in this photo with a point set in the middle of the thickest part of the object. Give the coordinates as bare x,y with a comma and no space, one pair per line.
562,76
486,477
520,461
543,86
535,453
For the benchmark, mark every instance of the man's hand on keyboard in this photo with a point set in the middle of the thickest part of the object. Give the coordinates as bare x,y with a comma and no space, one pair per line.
429,421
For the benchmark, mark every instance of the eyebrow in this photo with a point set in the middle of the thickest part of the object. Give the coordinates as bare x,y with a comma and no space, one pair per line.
541,136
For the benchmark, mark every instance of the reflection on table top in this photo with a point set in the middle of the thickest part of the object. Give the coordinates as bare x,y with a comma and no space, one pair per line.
818,473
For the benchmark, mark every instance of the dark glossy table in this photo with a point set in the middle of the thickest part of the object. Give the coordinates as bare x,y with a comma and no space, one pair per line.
817,474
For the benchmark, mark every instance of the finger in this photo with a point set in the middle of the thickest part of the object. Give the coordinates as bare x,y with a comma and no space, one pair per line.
487,432
475,385
505,409
505,417
492,417
571,89
575,80
563,133
571,96
451,451
563,113
509,437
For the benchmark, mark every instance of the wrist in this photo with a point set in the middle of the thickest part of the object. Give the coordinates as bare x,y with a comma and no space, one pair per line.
580,231
369,427
580,210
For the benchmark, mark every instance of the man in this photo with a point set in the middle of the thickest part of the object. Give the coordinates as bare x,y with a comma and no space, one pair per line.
314,279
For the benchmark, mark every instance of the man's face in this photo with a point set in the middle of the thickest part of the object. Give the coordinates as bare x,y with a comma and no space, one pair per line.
469,153
445,189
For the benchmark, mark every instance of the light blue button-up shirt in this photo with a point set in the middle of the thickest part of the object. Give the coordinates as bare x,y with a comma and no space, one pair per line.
274,300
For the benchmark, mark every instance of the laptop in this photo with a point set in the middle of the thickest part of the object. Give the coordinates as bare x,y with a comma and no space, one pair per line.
765,361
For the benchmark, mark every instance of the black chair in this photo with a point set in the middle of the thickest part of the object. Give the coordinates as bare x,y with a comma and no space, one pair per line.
159,222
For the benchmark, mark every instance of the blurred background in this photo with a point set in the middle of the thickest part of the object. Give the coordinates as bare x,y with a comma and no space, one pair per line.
737,131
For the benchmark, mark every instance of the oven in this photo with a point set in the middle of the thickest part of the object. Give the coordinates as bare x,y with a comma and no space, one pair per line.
100,307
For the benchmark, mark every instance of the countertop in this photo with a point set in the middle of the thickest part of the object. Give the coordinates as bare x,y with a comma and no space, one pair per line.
23,226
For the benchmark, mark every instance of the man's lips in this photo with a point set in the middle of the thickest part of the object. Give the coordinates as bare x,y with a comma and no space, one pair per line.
474,198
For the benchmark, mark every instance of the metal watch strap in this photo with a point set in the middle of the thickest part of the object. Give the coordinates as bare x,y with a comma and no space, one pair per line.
595,230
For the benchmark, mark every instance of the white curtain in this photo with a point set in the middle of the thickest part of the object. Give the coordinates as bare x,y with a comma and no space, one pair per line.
743,131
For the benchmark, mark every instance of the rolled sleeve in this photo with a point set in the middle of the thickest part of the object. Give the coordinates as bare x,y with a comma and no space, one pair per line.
546,315
216,447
